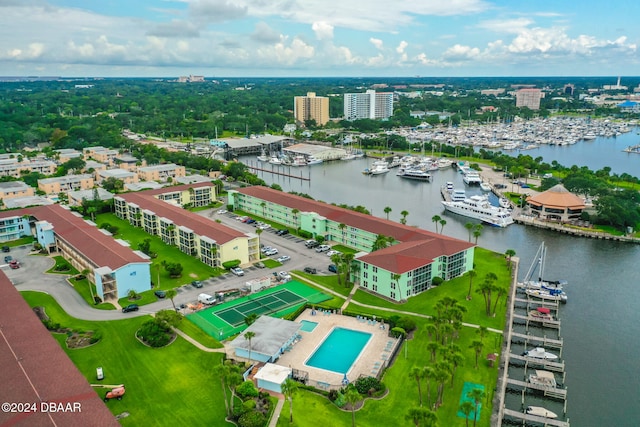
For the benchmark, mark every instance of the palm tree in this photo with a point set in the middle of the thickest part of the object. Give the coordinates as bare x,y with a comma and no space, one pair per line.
472,274
337,260
387,210
509,253
466,408
171,294
469,227
248,336
421,416
501,291
347,260
477,395
404,214
482,331
477,347
428,374
222,372
264,208
436,219
381,242
342,227
352,397
433,348
289,388
486,288
442,222
477,231
395,277
417,374
295,213
442,375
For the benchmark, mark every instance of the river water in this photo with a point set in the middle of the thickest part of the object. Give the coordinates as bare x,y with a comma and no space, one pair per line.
601,321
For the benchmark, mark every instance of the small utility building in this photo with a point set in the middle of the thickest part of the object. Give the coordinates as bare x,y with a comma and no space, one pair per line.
272,336
270,377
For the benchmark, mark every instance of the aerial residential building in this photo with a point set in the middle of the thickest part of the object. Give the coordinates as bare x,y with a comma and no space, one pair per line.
66,183
123,175
404,269
128,162
14,189
311,107
159,213
100,154
77,197
13,167
161,172
369,105
529,98
112,266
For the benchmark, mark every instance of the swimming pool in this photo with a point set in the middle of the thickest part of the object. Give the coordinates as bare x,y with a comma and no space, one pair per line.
307,325
339,350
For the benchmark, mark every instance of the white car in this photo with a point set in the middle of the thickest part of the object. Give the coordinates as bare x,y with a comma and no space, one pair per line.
323,248
222,211
272,251
284,275
237,271
266,249
264,227
283,258
332,253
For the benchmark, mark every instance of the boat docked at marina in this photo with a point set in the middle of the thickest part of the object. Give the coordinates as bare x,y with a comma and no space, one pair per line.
544,289
505,203
472,178
313,160
540,412
415,174
478,207
263,157
547,294
484,186
541,313
458,195
379,167
540,353
543,378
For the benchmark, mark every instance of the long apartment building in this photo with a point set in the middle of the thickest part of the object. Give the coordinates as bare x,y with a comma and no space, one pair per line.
66,183
113,267
160,213
404,269
311,107
13,167
161,173
369,105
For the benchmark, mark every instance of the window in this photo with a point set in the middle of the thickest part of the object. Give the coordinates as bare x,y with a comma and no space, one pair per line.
393,295
375,288
393,285
375,278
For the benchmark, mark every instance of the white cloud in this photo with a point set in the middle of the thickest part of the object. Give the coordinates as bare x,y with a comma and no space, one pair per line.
323,30
376,42
263,33
459,52
402,46
511,26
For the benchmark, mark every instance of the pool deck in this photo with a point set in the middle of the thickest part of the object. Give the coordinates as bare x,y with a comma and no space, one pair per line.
371,360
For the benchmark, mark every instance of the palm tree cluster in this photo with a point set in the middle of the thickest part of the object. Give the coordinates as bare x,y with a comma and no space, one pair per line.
488,289
344,263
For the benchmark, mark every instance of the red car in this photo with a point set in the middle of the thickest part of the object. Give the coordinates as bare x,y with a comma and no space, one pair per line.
14,264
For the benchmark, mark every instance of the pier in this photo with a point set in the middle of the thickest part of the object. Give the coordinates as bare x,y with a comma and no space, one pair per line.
542,420
571,230
278,171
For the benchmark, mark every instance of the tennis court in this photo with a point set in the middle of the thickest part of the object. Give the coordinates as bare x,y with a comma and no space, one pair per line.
227,319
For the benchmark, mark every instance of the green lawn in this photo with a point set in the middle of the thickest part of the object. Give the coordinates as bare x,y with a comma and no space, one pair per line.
84,288
62,266
171,386
20,242
193,269
199,335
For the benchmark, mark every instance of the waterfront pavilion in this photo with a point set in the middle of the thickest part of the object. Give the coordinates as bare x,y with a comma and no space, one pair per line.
556,204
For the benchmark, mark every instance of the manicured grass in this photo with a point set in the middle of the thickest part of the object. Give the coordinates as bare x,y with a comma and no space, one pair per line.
146,297
330,282
270,263
344,249
84,287
171,386
193,269
199,335
20,242
60,263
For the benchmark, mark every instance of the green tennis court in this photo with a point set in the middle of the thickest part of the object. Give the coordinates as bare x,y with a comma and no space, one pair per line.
227,319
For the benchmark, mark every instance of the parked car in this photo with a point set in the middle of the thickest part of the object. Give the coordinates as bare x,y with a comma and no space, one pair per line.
284,275
14,264
310,270
272,251
265,249
160,294
282,232
130,307
222,211
283,258
8,259
6,249
308,242
264,227
237,271
251,221
332,268
259,264
332,253
313,244
196,284
323,248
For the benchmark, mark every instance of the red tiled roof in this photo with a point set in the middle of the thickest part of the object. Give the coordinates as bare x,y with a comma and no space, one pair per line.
200,225
408,256
87,239
428,245
35,369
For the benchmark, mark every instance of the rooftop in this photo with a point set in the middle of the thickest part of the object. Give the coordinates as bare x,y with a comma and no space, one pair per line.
271,334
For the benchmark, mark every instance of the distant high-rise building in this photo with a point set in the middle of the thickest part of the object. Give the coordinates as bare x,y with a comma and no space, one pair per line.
529,98
568,89
311,107
368,105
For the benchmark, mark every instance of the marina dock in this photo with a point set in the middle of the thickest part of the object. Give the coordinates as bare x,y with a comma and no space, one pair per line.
278,171
542,420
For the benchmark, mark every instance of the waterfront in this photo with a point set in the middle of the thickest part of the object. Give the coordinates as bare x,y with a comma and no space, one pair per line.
599,324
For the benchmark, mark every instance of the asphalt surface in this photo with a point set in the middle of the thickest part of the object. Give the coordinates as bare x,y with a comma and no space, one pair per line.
32,276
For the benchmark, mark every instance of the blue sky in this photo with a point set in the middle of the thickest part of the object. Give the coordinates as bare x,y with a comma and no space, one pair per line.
301,38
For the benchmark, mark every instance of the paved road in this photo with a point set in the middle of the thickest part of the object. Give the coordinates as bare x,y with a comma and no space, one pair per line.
32,275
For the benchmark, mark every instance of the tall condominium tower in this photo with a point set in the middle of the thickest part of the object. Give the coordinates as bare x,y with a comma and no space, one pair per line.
311,107
368,105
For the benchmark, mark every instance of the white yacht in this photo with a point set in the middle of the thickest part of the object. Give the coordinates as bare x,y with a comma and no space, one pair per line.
313,160
541,412
263,156
458,195
540,353
485,186
275,160
472,178
299,160
379,167
478,207
414,173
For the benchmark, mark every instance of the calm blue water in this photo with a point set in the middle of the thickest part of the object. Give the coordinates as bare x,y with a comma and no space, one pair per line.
339,350
601,321
308,326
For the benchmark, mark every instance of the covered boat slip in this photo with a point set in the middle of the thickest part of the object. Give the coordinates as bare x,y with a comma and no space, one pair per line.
548,364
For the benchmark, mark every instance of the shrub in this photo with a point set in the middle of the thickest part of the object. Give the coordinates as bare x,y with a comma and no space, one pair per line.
155,333
249,405
231,264
340,400
97,336
333,395
246,389
368,385
406,323
305,234
436,281
97,300
263,395
252,419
